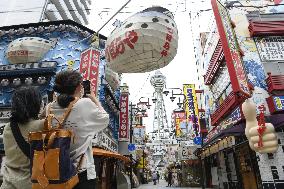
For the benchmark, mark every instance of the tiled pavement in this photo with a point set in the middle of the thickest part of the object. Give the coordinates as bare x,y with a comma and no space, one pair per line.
161,185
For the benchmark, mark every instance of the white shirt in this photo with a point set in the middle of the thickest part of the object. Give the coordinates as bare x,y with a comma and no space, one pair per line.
85,120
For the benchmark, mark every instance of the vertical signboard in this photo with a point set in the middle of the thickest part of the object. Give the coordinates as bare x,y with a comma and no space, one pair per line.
191,106
179,118
89,67
123,118
231,49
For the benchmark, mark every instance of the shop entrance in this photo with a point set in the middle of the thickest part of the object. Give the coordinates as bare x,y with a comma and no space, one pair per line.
249,171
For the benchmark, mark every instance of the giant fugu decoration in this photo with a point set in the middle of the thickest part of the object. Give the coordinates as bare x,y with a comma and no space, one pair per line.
28,49
146,41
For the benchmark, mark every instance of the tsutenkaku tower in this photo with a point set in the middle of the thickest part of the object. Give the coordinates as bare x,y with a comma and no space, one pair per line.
161,128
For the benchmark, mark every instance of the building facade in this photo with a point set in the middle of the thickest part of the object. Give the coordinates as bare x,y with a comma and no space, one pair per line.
242,55
14,12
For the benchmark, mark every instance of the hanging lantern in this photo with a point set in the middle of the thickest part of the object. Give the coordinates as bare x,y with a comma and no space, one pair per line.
261,136
4,82
28,49
112,78
17,81
41,80
146,41
29,81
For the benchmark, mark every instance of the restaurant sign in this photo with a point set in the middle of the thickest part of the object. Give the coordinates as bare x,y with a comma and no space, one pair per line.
231,49
123,118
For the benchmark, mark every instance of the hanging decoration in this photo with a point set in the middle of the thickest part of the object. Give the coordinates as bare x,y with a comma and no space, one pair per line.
145,41
261,136
28,49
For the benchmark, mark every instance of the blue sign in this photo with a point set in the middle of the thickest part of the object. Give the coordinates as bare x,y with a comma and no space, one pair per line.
131,147
197,140
278,102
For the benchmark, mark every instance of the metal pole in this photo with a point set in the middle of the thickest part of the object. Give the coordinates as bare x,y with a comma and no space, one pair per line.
202,170
131,132
143,172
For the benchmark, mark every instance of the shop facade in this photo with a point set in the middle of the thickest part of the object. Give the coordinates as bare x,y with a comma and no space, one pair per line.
242,56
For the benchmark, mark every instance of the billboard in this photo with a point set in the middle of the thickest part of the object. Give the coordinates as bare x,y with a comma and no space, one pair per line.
180,123
191,107
123,118
231,49
89,67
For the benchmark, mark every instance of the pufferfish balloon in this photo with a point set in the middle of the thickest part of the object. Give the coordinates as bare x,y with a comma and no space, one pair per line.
146,41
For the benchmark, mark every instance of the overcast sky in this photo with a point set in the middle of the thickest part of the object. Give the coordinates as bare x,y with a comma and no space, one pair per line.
182,69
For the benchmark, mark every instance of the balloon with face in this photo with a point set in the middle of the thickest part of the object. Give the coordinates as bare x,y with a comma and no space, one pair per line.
145,41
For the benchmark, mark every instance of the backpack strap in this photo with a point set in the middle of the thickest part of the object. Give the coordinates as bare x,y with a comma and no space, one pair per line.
21,142
62,119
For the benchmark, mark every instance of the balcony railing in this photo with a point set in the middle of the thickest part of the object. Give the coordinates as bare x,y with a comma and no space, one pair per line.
275,84
214,64
229,103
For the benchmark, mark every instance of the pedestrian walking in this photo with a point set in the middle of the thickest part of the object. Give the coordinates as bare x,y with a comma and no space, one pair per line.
85,120
170,177
154,177
158,177
26,104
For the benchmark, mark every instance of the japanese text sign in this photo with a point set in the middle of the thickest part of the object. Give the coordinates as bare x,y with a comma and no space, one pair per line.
123,118
231,49
89,67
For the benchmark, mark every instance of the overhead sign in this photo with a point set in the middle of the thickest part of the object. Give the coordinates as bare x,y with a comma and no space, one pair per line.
131,147
186,152
231,49
123,118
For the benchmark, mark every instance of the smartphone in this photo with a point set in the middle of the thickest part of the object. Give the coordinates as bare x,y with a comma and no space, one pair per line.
87,87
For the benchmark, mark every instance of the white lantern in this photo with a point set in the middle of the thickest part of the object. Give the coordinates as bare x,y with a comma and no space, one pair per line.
269,137
17,81
28,49
29,81
4,82
112,78
145,41
41,80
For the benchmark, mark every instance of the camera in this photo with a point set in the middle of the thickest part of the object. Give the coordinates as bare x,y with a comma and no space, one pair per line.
87,87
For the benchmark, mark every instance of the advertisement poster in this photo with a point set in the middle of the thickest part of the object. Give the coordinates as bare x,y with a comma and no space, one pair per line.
191,107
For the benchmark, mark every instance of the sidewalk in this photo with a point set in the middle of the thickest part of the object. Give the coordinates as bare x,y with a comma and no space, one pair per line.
162,185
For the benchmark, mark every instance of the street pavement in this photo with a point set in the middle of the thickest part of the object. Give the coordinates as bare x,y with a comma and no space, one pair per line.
162,185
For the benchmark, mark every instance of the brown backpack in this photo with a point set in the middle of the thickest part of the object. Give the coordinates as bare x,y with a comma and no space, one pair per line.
51,165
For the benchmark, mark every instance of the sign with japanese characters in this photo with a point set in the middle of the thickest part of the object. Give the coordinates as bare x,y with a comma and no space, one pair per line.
101,139
232,119
231,49
139,132
89,67
191,106
179,117
186,152
123,118
270,48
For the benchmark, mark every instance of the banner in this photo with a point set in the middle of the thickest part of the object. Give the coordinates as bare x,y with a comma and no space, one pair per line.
231,49
139,132
180,123
89,67
191,107
123,118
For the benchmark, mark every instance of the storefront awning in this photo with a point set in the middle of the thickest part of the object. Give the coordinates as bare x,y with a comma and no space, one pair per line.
105,153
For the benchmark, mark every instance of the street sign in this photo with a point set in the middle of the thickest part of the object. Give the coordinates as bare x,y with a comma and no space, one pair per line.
197,140
131,147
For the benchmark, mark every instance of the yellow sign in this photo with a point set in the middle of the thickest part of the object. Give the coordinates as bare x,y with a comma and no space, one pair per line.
191,105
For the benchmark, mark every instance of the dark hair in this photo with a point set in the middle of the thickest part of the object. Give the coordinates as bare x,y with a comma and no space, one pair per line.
26,102
65,84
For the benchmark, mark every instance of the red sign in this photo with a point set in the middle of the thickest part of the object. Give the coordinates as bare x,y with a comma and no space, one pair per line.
231,49
84,63
117,46
89,67
123,118
18,53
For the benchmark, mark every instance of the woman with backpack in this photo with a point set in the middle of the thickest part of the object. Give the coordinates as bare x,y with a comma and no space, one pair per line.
86,118
26,104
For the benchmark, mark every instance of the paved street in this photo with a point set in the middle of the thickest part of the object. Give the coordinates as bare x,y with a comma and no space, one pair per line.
161,185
